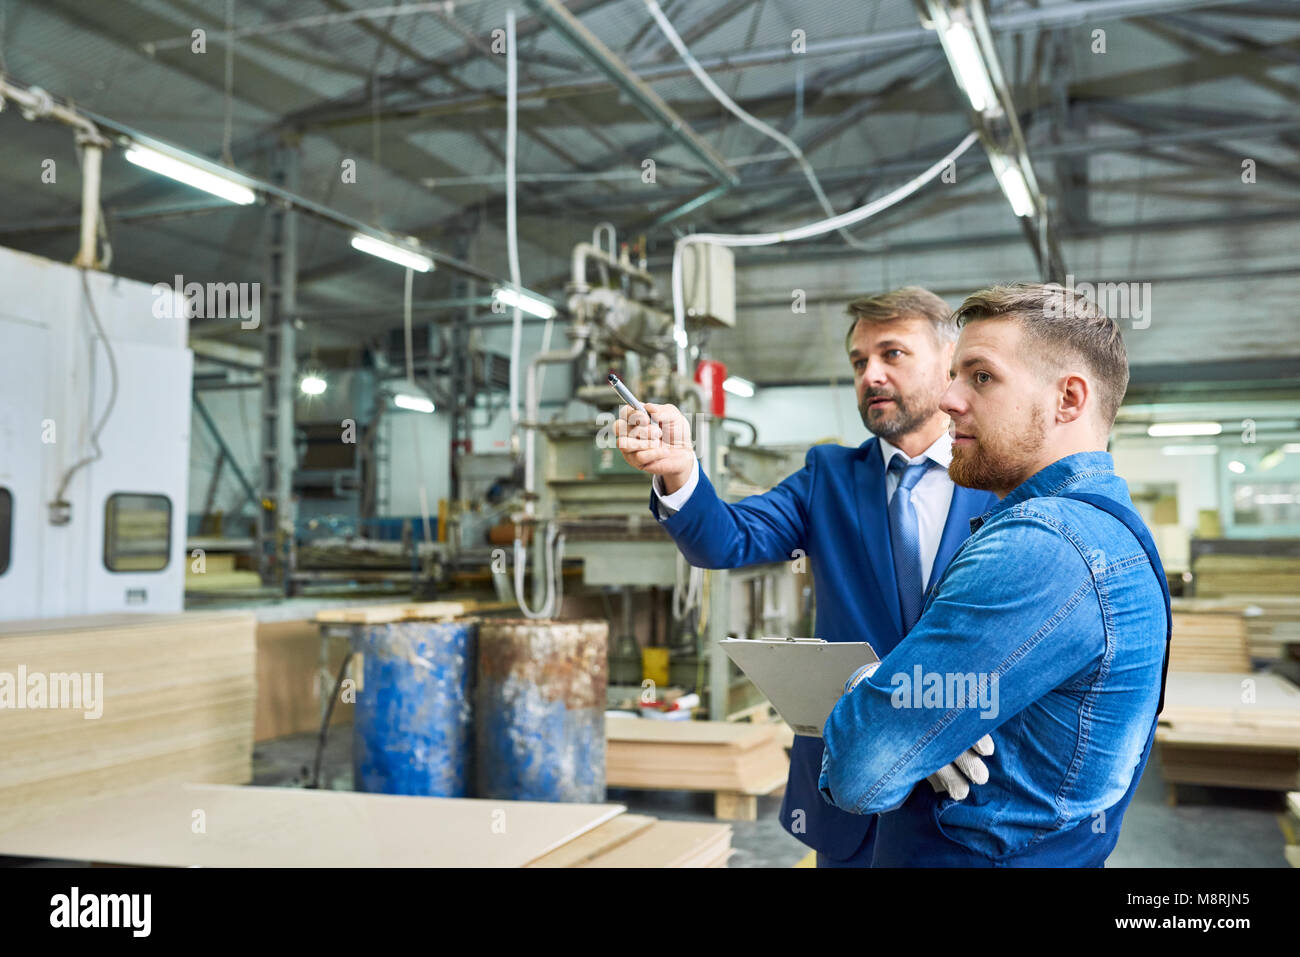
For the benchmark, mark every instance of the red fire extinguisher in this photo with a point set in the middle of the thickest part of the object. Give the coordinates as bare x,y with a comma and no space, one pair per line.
711,373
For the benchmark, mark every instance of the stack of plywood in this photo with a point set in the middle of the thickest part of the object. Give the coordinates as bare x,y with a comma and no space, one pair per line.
142,699
1291,827
1231,730
1272,621
1218,575
219,574
737,760
216,826
1208,638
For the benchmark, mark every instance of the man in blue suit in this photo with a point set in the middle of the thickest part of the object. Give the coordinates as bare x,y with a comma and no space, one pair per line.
879,523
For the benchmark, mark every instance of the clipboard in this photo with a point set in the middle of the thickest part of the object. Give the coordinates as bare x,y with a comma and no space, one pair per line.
802,677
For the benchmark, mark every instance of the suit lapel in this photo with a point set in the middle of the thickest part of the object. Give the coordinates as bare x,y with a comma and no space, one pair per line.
966,504
869,483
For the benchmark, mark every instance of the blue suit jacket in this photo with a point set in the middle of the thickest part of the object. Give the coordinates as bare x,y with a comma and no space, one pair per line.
834,511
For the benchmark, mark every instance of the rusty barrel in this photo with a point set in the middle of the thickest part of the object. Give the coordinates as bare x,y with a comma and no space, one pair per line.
413,725
539,712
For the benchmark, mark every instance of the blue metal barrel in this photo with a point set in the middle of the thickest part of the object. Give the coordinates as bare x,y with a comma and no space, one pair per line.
413,726
539,712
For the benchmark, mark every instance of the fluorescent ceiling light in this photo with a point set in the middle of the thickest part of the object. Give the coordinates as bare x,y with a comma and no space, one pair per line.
1272,460
413,403
1189,449
312,385
738,386
190,175
1164,430
529,304
1016,189
402,255
1237,467
968,65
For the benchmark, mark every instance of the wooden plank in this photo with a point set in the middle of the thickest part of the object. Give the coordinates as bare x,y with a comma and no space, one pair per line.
728,733
293,827
595,842
382,614
670,844
288,686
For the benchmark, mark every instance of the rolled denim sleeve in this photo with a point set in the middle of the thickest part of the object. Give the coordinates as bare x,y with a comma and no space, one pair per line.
1017,614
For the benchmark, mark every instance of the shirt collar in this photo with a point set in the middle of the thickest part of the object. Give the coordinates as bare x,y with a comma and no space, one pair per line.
1054,478
940,452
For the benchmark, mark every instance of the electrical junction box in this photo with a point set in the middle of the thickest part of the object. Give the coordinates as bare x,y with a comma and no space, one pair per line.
709,284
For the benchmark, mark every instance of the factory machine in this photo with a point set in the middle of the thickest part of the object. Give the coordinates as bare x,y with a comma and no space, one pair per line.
95,431
583,501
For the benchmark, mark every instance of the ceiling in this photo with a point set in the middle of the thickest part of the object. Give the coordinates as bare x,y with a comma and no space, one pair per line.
1139,147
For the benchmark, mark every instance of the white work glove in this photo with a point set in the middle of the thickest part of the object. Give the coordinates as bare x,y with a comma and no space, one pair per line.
953,777
957,777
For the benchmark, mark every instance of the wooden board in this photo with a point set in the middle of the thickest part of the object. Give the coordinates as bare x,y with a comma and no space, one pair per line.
595,842
288,686
292,827
671,844
178,697
1217,708
381,614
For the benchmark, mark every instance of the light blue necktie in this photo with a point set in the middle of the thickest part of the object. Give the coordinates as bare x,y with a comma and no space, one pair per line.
905,539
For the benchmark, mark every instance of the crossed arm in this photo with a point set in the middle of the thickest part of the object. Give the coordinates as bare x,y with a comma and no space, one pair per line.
1017,612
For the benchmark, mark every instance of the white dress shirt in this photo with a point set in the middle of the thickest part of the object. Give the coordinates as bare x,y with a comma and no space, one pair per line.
931,497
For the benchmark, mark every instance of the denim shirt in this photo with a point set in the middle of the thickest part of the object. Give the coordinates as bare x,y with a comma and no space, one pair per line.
1048,632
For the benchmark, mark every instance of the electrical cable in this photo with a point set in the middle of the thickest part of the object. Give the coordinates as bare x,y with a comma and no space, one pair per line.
807,231
112,395
325,722
748,118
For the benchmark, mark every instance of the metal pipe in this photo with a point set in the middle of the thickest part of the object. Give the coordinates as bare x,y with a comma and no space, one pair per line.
92,152
531,403
646,99
585,251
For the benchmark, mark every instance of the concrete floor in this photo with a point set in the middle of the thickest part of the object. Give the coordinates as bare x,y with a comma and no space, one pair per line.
1210,827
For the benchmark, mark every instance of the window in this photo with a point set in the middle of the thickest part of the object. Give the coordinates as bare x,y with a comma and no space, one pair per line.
6,527
137,532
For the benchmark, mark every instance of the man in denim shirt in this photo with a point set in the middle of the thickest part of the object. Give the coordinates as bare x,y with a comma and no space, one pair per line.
1048,630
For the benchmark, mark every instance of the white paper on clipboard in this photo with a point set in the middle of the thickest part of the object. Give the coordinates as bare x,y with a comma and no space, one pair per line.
802,677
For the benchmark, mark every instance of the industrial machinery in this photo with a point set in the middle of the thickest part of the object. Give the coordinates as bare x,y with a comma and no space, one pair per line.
95,427
583,501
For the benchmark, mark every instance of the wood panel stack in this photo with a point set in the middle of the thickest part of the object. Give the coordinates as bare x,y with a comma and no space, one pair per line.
1208,638
1232,575
1231,730
738,761
1272,622
142,699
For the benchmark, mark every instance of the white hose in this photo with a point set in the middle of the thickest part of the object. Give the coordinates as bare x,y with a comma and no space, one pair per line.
745,117
552,549
808,231
512,222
